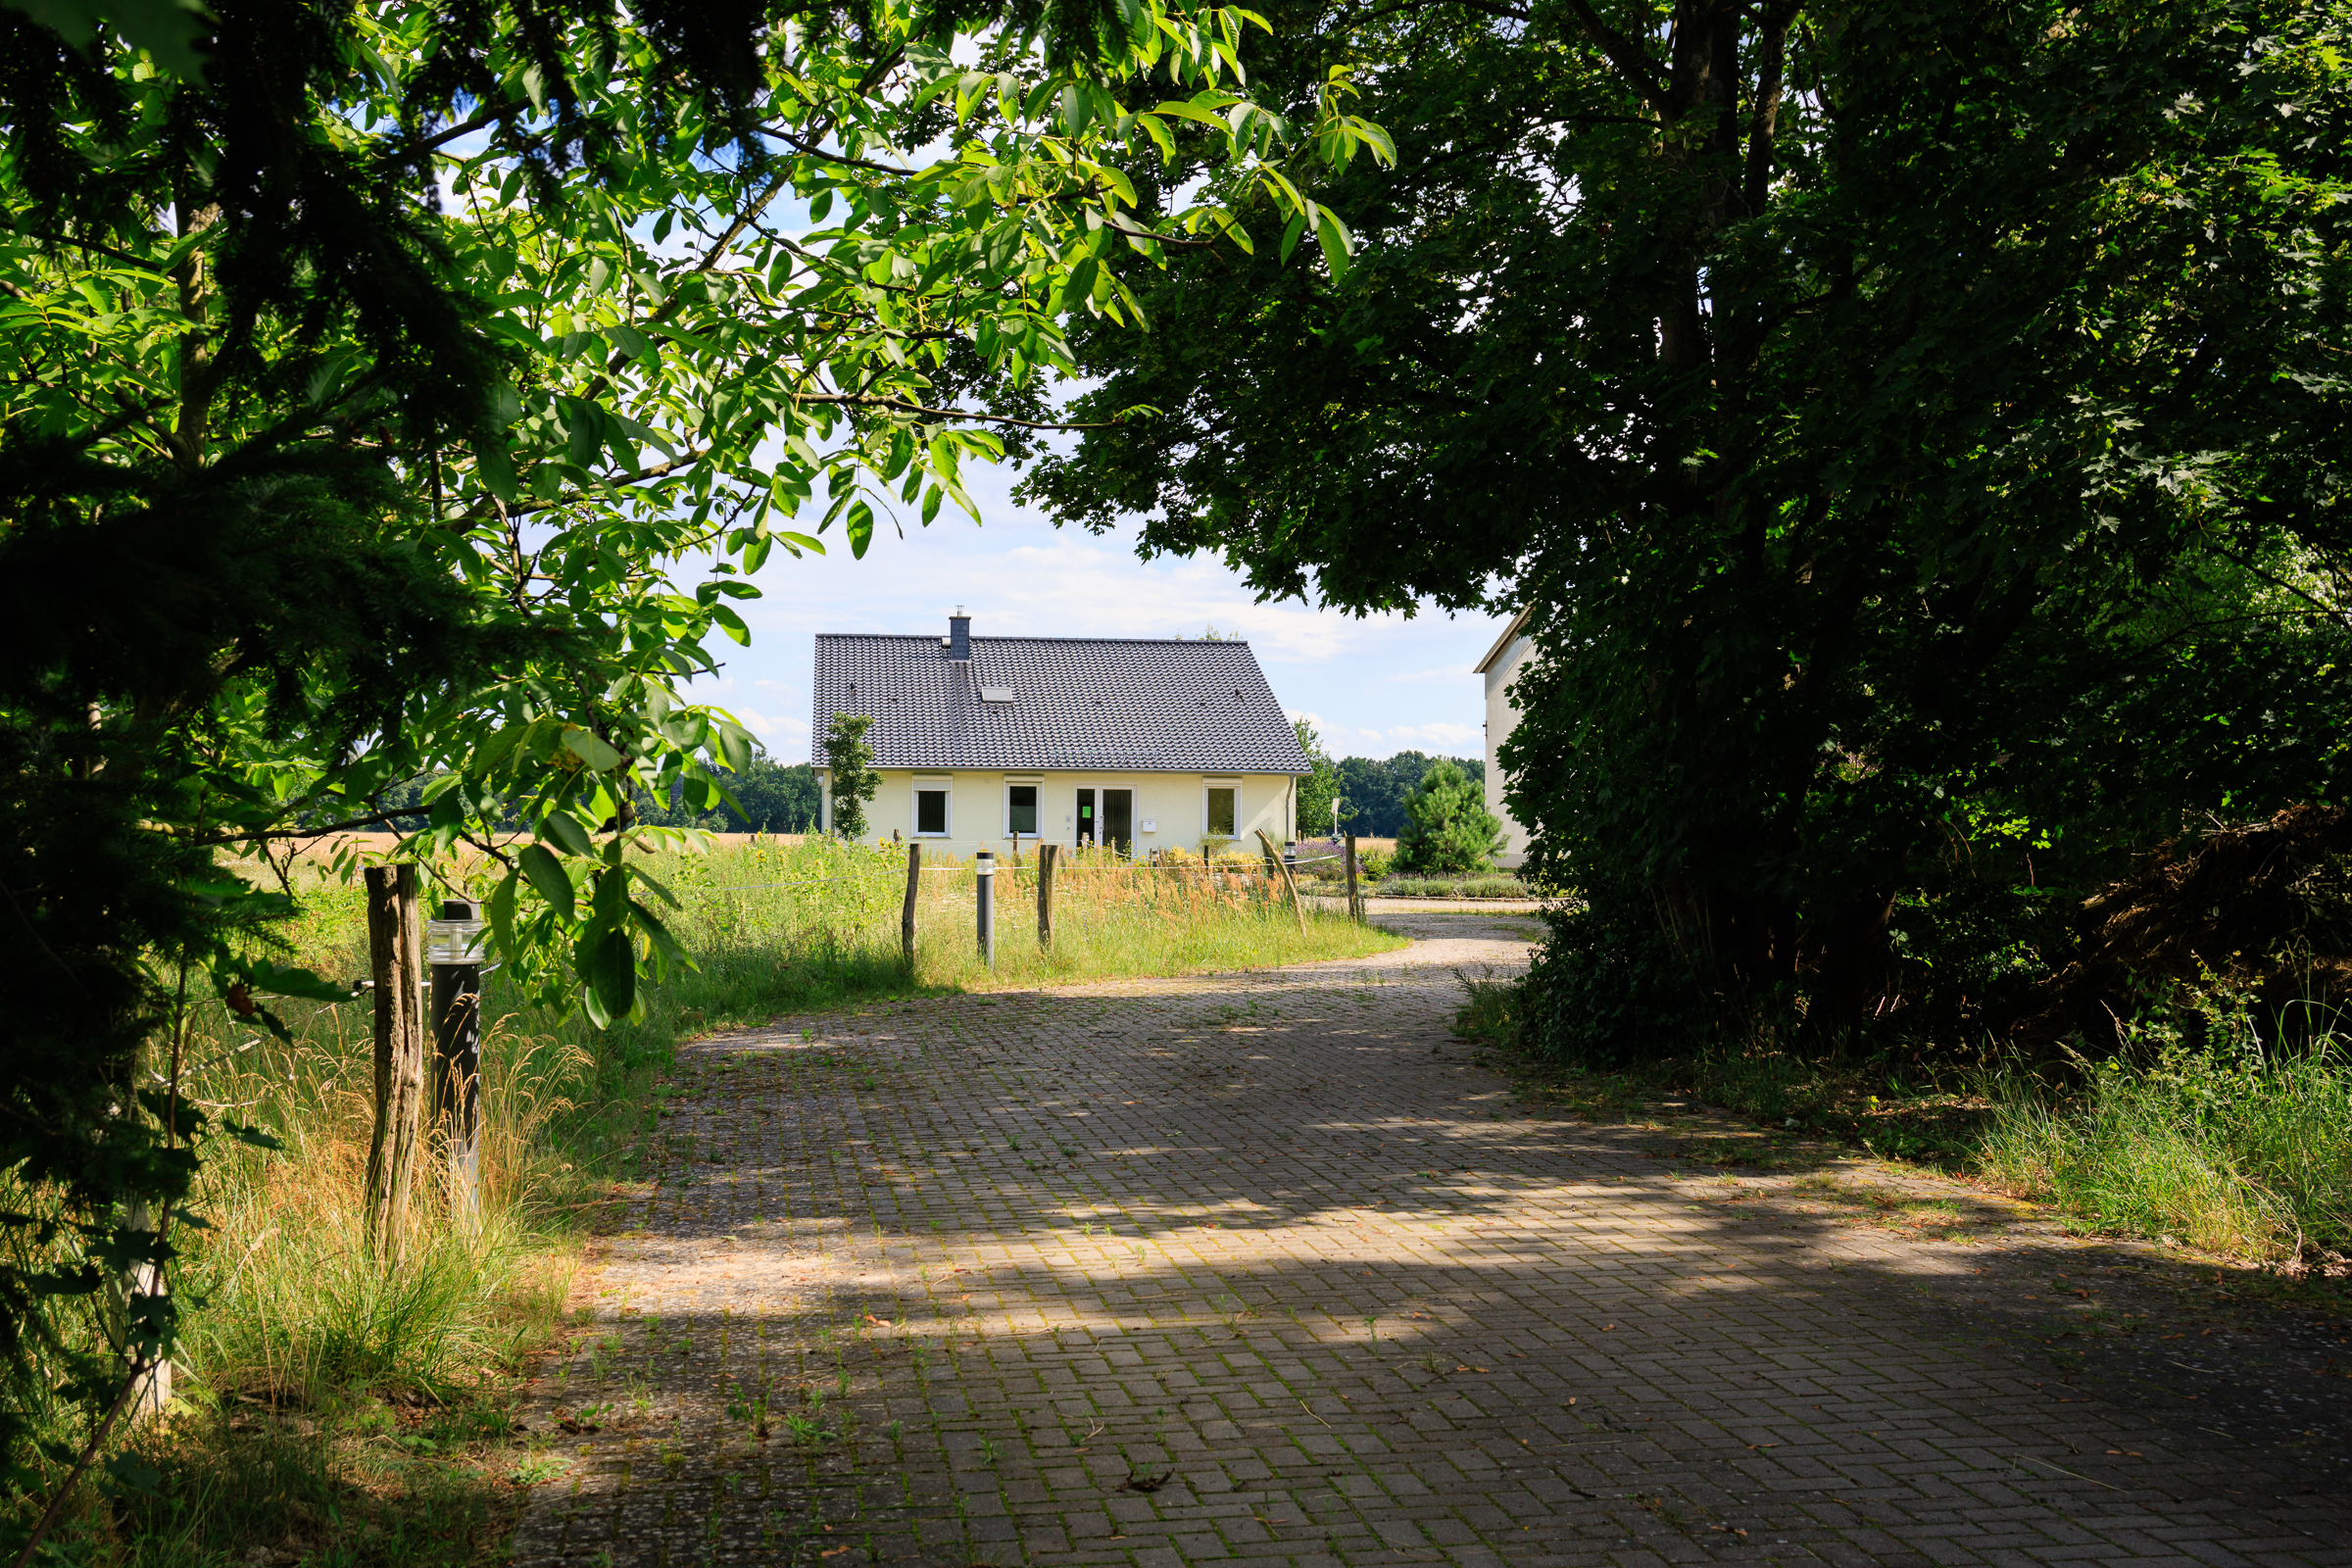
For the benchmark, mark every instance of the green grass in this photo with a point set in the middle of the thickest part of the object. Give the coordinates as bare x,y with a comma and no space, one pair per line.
352,1408
2241,1151
804,946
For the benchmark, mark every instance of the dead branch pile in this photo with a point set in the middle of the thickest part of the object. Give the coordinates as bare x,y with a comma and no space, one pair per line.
2266,906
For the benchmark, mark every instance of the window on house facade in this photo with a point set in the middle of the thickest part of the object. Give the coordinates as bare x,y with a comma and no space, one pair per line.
1020,808
931,809
1222,811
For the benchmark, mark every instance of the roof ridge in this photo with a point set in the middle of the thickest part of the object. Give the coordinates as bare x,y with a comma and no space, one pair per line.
1157,642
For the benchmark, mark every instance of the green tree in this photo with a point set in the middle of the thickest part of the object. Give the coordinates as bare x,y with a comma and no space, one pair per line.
1320,787
1915,432
1372,790
850,763
368,377
773,797
1447,825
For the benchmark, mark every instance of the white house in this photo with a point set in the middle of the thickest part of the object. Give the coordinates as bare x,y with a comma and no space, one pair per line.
1501,664
1135,744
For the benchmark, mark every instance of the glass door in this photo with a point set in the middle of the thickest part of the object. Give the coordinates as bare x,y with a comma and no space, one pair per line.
1119,819
1086,816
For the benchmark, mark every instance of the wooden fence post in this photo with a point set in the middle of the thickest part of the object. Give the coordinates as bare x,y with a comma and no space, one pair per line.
1356,902
396,964
914,877
1289,881
1047,855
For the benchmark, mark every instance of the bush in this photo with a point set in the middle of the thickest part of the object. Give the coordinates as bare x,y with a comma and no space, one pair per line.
1373,864
1447,825
1608,989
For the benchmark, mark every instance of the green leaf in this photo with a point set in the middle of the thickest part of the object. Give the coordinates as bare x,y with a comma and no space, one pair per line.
282,981
583,432
565,830
613,971
1335,241
608,894
734,745
548,877
494,464
590,749
167,29
501,909
1291,232
862,528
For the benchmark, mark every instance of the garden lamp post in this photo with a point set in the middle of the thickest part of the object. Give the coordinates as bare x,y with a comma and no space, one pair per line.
453,948
984,868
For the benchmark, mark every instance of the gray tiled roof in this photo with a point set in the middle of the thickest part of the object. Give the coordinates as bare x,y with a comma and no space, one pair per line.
1076,702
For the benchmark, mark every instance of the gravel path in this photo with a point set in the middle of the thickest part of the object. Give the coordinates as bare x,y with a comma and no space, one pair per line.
1261,1268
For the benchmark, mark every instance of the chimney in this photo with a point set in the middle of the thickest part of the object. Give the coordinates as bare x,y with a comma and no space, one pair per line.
960,636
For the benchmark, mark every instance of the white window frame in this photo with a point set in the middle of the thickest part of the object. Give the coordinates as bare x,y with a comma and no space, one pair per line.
1233,784
940,784
1004,818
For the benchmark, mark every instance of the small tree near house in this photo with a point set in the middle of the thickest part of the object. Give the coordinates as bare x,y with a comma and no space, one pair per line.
1447,825
855,781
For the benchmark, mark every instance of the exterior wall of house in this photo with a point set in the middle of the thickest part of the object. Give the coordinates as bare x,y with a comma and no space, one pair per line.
1171,809
1501,720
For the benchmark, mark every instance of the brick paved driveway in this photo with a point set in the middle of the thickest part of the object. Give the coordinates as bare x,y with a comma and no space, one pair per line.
1260,1269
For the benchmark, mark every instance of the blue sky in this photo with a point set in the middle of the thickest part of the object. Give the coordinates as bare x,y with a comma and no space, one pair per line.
1372,687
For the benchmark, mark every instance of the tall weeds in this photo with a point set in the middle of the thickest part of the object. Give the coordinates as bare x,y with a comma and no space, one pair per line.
2228,1147
296,1302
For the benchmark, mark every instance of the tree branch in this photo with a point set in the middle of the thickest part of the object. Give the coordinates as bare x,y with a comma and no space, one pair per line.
814,150
1631,61
440,139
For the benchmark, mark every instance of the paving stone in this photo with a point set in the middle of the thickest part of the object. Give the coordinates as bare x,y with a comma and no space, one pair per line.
1263,1269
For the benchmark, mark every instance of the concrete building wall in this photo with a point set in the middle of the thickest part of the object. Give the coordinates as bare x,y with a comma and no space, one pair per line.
1170,809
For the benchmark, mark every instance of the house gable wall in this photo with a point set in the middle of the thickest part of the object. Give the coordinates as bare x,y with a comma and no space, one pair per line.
1501,719
1174,804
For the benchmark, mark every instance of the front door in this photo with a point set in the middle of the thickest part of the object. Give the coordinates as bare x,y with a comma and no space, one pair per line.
1119,819
1086,816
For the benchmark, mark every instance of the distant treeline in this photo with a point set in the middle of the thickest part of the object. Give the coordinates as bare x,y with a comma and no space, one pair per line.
1373,788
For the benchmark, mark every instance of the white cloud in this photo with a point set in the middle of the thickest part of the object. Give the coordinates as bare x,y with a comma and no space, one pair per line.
776,729
1458,739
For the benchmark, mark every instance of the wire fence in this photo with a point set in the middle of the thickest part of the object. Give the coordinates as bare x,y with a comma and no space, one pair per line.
1128,862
